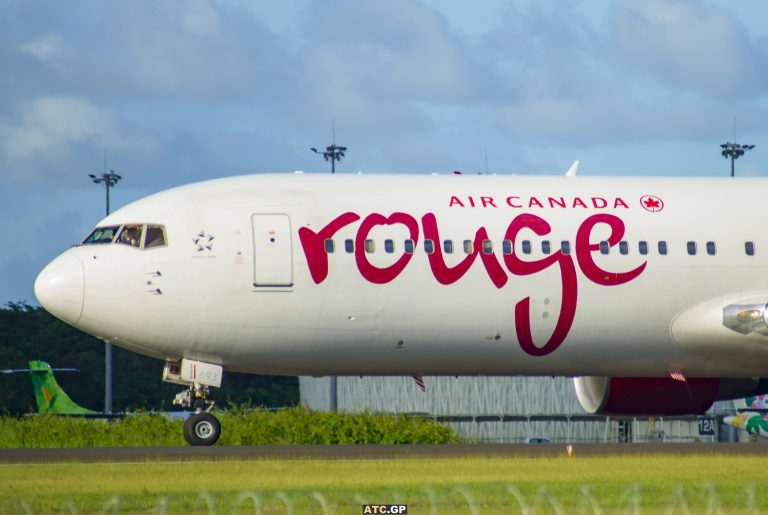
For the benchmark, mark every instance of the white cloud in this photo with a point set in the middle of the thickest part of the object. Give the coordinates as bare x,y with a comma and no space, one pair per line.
44,49
644,71
51,131
685,44
403,52
49,124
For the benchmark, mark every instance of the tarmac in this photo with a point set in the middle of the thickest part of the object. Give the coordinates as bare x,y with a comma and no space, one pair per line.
365,452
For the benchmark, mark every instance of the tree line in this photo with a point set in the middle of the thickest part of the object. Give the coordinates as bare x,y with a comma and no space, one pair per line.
29,332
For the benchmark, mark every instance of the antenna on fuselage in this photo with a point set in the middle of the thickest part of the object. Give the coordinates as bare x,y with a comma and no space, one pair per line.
573,169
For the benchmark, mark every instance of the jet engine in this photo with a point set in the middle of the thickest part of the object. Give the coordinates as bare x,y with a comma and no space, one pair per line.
660,396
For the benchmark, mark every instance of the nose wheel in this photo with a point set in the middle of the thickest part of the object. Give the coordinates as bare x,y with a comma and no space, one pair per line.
202,429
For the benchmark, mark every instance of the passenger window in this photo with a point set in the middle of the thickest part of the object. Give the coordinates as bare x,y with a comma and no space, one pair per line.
526,247
487,247
448,246
711,248
329,246
604,247
546,248
370,246
642,247
623,248
349,246
749,248
469,247
565,247
429,246
663,248
691,246
408,246
506,247
130,235
389,246
155,236
101,235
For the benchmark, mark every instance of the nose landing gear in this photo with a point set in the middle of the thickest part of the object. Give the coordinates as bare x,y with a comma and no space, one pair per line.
202,428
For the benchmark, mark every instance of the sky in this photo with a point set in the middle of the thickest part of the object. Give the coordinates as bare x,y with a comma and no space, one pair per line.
177,92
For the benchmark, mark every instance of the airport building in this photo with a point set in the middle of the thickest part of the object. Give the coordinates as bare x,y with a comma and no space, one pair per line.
506,409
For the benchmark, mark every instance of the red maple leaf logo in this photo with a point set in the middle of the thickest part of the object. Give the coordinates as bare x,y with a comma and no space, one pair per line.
651,203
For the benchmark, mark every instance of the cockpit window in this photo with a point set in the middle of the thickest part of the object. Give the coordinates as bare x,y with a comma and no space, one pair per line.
141,236
131,235
155,236
101,235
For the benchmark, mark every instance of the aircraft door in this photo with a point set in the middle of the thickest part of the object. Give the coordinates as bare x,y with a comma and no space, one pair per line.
272,254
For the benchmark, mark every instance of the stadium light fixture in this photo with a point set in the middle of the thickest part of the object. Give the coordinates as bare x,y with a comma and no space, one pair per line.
734,151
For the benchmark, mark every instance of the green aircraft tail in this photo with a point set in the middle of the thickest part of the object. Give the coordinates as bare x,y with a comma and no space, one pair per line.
49,395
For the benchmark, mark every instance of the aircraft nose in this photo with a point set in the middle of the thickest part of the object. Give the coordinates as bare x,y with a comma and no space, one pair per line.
60,286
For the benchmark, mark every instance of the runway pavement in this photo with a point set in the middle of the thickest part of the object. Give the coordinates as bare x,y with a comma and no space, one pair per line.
362,452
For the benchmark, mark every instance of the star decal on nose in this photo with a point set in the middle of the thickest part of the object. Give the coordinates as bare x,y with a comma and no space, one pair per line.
203,241
651,203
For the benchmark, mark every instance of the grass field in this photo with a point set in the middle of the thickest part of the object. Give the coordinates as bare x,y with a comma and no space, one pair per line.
608,484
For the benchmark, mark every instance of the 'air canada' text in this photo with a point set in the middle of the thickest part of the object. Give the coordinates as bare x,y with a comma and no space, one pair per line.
533,202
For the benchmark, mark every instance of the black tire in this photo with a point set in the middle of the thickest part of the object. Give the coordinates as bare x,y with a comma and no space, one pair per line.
202,429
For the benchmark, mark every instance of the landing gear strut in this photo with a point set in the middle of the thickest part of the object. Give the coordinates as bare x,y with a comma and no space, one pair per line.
202,428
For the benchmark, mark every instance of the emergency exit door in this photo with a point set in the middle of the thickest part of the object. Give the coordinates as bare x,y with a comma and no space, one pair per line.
272,259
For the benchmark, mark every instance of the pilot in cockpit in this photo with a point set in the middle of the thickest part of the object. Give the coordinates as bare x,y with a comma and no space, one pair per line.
131,235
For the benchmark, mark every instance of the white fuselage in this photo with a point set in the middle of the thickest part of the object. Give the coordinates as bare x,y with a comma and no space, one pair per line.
247,279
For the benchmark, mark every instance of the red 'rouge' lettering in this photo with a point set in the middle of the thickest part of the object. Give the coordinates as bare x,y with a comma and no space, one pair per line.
584,251
314,244
373,273
568,282
449,275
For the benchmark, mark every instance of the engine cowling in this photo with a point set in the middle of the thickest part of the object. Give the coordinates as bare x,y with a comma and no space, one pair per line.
660,396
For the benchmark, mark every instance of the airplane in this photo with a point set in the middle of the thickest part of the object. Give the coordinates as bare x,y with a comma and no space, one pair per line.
49,396
754,423
751,416
650,292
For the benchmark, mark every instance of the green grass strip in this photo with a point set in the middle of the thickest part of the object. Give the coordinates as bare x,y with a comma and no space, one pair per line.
639,484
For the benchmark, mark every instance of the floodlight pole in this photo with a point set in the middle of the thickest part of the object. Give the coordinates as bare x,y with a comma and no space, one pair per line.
333,152
734,151
109,180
